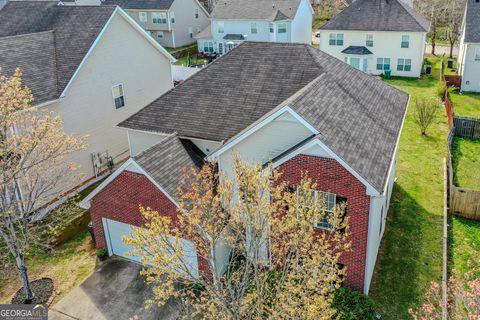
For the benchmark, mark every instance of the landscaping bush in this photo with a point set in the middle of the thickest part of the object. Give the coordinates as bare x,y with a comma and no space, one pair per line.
101,252
441,87
353,305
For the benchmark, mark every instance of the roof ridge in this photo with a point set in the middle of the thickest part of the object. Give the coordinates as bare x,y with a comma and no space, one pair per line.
55,61
27,34
411,12
167,138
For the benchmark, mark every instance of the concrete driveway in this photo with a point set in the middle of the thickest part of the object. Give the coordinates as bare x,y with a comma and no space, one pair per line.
115,290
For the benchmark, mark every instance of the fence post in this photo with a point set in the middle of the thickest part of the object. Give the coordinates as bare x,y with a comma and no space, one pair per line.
445,244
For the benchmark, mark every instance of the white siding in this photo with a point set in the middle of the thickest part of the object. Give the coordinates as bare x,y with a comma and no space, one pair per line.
206,146
302,24
124,56
470,69
266,143
376,226
386,45
140,141
184,11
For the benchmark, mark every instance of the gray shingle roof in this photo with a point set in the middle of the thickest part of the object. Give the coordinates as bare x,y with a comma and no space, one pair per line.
472,26
73,31
230,36
167,161
378,15
356,50
358,116
271,10
141,4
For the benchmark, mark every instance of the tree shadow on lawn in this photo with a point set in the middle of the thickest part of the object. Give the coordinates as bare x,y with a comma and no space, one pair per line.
409,257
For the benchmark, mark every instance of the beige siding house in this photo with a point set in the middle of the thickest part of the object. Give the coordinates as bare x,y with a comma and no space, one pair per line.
117,70
173,23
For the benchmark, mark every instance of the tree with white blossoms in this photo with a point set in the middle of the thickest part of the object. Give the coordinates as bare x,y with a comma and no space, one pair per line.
280,265
33,146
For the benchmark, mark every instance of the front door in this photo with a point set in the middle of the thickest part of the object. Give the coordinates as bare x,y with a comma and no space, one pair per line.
355,62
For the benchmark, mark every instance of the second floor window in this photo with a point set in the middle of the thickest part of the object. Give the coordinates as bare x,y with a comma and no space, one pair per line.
383,63
336,39
159,17
369,40
221,27
272,28
282,28
196,13
477,54
405,41
118,96
190,32
143,16
172,17
253,28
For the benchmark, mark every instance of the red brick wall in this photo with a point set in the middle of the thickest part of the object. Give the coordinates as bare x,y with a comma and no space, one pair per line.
330,176
121,199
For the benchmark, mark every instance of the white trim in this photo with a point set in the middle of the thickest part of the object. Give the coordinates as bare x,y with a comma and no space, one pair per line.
203,9
370,189
47,103
85,203
366,286
106,231
148,132
201,139
92,47
241,136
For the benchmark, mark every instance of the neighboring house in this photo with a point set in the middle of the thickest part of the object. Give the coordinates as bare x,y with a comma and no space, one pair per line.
469,51
378,35
173,23
92,65
235,21
287,103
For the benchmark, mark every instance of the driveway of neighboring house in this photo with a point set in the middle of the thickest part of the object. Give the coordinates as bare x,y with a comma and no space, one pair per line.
116,291
441,49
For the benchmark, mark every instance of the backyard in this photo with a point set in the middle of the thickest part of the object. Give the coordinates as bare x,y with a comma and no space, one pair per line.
410,256
465,104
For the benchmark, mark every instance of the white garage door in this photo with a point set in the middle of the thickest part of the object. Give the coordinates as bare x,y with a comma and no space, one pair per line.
115,231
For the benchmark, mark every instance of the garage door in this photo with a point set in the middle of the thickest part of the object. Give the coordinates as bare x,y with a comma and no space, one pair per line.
115,231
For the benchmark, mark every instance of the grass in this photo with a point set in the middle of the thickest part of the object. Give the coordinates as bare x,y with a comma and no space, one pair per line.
464,244
411,253
68,265
171,50
183,61
466,104
466,163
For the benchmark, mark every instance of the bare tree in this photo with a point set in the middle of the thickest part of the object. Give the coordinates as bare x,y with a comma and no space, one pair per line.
454,20
280,266
436,12
425,113
32,149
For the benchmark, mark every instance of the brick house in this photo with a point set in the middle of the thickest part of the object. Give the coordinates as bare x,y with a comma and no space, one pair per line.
290,104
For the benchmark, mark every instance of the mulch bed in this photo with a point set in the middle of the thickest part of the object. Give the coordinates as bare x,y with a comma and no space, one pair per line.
43,291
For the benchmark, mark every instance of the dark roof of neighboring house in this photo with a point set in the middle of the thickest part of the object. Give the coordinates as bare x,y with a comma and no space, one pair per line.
358,116
141,4
167,161
64,35
272,10
378,15
356,50
231,36
472,20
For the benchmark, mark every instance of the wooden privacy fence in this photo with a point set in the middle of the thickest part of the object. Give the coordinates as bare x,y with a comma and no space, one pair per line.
467,127
453,80
463,202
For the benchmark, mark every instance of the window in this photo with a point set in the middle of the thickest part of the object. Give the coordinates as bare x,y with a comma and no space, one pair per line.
477,54
405,41
160,34
172,17
208,46
190,32
159,17
383,63
404,65
369,40
220,48
196,13
355,62
118,96
336,39
143,16
221,26
272,28
198,29
330,200
282,28
253,28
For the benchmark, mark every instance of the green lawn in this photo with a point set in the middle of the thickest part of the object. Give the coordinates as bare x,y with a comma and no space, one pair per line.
466,104
411,251
466,163
68,265
464,244
183,61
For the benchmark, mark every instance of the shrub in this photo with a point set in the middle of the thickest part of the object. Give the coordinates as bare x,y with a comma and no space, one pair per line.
353,305
425,113
441,87
101,253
